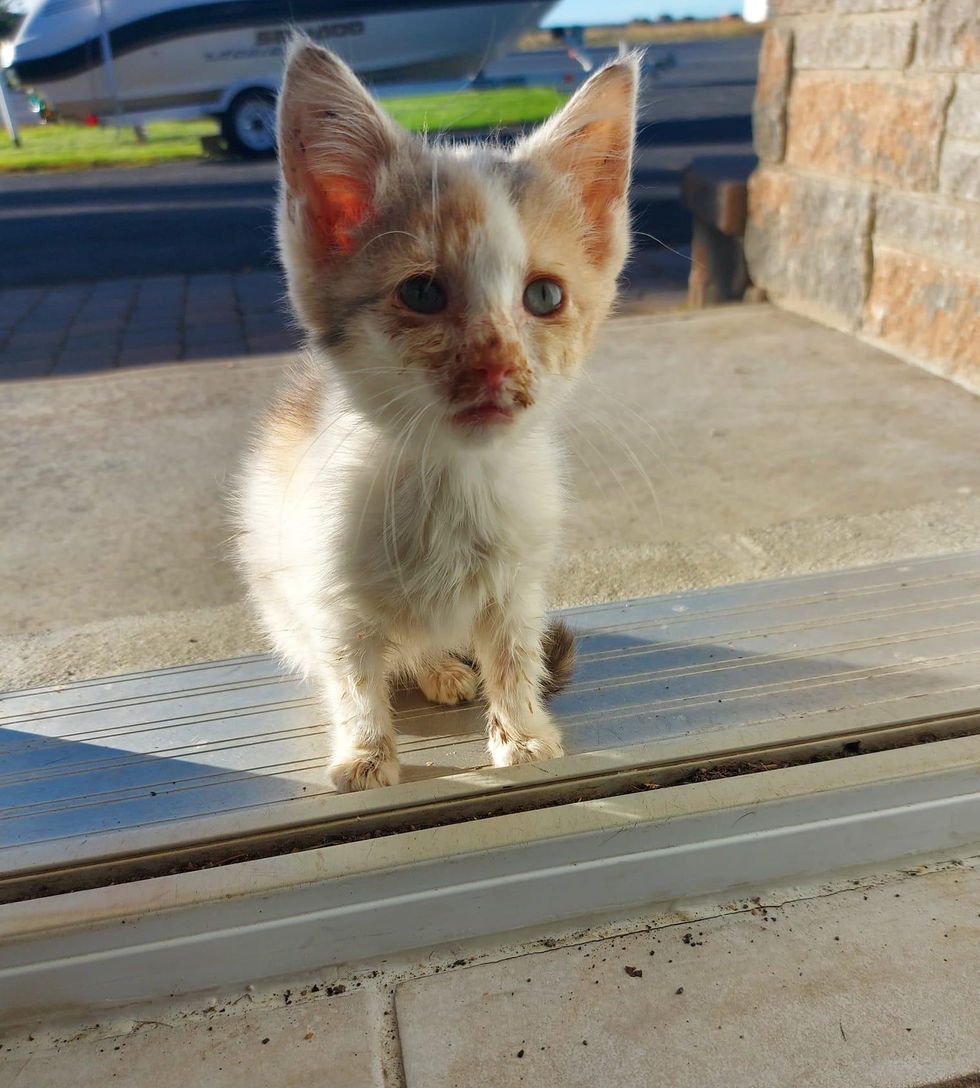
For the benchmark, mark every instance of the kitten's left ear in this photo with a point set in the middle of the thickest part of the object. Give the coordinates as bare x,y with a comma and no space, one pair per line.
590,141
334,144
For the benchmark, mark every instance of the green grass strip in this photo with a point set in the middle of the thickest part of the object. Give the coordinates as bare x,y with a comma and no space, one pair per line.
68,146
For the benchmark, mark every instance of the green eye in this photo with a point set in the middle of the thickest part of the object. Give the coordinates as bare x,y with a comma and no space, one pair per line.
543,297
423,294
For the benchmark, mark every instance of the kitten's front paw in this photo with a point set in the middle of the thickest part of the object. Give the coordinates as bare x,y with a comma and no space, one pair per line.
508,747
452,681
364,769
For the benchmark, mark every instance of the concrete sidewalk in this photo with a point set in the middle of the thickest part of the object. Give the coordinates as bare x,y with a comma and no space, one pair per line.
704,448
135,322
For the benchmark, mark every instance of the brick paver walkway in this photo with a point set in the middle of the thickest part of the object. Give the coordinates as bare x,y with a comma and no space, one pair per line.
163,319
134,322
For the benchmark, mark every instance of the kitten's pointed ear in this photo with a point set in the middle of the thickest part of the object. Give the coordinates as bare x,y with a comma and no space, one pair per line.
591,142
334,143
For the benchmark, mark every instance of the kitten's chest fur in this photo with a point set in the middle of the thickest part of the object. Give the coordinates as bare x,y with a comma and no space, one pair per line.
439,534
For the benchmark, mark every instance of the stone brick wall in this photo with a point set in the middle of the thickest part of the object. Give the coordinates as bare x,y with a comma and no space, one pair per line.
864,212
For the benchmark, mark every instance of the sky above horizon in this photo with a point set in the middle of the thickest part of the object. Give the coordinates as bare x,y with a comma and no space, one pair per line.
583,12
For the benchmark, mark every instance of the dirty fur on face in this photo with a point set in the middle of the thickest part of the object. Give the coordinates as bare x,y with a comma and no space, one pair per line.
399,510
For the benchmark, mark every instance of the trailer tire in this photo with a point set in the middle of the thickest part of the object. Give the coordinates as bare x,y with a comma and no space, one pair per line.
249,124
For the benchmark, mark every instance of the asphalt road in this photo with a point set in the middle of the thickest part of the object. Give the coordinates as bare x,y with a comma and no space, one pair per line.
217,216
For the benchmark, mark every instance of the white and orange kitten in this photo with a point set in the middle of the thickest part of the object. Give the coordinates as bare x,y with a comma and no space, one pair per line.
400,508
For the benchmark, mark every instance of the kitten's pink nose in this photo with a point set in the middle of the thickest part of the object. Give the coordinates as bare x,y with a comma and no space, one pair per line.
494,374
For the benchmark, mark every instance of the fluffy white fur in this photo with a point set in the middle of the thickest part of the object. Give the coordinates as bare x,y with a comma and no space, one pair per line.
378,535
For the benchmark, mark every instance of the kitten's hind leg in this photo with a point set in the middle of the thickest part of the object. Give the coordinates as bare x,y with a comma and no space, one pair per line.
448,680
365,751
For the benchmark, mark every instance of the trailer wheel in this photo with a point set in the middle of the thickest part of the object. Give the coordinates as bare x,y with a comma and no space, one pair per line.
249,125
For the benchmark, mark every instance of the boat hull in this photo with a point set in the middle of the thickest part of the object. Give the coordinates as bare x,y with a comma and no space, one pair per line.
202,65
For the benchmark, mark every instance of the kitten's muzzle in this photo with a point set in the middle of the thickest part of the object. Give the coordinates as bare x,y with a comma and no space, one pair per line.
493,404
488,387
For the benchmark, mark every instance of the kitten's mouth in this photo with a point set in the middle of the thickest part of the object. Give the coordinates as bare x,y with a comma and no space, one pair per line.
487,414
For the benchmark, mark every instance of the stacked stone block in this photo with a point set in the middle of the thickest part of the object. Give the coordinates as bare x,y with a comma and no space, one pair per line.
864,212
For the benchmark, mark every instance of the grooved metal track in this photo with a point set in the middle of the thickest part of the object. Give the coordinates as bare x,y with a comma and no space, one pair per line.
91,765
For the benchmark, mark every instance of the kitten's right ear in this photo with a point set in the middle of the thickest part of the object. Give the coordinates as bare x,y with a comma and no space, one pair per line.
334,142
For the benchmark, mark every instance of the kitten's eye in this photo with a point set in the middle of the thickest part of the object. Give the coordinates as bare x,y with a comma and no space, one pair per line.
543,297
423,294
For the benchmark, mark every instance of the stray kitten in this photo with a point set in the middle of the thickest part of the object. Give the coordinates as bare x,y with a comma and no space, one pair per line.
400,508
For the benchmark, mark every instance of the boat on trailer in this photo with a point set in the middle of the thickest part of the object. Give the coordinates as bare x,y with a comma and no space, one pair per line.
128,61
